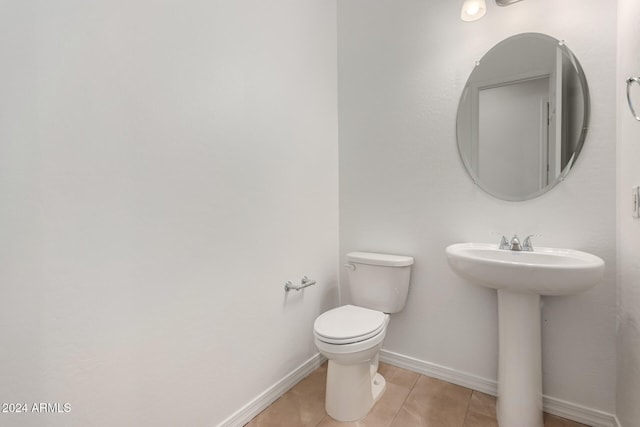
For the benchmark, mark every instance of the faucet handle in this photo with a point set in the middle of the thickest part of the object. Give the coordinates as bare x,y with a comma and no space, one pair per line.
504,243
527,245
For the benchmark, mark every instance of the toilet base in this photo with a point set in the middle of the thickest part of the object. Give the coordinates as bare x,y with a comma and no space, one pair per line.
352,390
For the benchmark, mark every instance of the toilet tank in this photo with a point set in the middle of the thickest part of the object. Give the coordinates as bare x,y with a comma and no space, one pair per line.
379,281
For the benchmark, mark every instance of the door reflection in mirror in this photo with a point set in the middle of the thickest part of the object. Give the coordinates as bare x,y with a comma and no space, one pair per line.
522,117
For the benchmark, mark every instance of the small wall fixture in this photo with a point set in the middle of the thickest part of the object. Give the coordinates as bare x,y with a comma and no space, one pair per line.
304,282
630,82
472,10
506,2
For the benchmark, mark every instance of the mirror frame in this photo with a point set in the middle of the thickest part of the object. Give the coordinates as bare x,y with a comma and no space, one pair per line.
579,72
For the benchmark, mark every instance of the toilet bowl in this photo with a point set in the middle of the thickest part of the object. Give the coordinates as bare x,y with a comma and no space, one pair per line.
351,336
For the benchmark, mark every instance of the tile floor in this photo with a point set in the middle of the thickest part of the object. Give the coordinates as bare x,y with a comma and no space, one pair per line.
411,400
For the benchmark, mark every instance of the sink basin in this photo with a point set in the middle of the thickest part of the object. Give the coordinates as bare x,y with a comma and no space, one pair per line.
545,271
520,279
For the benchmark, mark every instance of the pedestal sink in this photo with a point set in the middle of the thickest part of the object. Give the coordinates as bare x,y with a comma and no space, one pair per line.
521,278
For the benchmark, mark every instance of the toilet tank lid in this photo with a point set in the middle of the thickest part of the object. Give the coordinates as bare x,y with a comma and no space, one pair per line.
379,259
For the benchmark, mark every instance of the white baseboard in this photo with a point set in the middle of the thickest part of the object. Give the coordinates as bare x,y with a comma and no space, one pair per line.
561,408
579,413
258,404
429,369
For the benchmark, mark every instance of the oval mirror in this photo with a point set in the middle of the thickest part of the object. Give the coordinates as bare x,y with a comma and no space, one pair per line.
523,116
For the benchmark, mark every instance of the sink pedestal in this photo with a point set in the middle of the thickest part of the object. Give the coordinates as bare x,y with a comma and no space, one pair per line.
519,360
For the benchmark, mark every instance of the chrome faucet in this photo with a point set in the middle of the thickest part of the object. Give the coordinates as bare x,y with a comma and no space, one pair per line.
515,245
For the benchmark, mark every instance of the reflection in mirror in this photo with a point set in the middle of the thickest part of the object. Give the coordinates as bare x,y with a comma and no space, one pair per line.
523,116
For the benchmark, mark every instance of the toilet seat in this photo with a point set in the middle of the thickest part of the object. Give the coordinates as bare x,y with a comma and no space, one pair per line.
349,324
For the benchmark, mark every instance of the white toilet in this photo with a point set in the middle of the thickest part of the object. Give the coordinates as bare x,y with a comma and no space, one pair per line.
351,336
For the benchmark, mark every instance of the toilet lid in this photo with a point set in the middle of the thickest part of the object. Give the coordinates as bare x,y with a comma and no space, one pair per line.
348,324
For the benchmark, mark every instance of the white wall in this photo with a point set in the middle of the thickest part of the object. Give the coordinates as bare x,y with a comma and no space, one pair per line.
164,168
403,188
628,390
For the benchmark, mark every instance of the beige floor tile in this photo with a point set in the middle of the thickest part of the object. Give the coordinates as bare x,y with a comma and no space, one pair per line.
302,406
394,375
434,403
553,421
482,411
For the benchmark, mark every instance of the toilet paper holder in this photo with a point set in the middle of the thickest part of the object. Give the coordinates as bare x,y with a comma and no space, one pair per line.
304,282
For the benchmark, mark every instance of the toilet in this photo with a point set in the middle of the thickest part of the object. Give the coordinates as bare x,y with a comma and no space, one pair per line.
351,336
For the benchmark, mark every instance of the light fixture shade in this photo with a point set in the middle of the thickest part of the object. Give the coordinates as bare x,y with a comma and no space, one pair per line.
506,2
472,10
